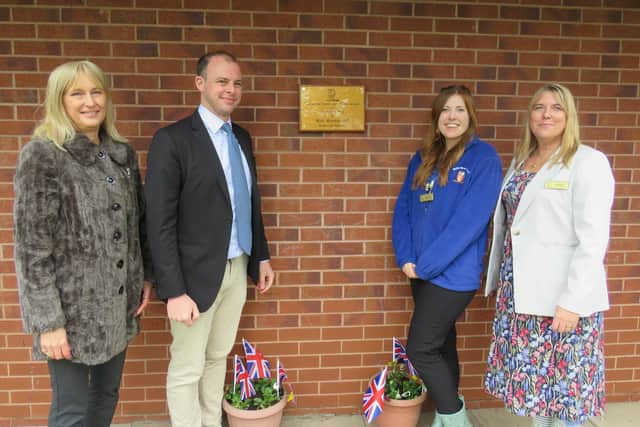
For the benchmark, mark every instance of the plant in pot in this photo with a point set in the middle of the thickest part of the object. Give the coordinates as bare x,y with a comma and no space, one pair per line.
255,399
396,394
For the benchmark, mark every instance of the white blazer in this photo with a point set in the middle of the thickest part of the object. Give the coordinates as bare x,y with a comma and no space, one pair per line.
559,235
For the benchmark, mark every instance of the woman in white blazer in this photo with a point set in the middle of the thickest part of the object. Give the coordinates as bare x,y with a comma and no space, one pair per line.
550,236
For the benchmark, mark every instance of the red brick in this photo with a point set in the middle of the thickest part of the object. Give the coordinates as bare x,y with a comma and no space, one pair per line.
172,4
363,291
345,37
601,46
37,48
56,31
557,74
352,7
477,42
619,61
107,32
629,76
602,15
5,47
391,8
298,249
320,319
564,44
630,46
39,14
390,39
315,20
321,292
546,29
520,13
617,31
578,60
497,27
411,24
361,22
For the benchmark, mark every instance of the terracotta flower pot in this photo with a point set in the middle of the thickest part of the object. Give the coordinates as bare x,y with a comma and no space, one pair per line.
401,413
268,417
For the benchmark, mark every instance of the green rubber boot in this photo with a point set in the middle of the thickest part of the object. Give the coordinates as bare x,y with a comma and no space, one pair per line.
459,419
437,421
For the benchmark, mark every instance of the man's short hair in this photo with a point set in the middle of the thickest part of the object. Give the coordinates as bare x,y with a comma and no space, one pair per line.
204,61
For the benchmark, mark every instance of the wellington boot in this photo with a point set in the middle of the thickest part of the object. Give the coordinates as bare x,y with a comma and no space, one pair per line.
437,421
459,419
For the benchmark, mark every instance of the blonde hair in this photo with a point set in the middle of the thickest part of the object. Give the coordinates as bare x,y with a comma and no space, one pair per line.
434,152
56,124
570,136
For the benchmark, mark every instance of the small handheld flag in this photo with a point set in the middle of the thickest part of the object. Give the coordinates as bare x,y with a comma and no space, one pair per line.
400,354
373,399
282,374
257,365
241,377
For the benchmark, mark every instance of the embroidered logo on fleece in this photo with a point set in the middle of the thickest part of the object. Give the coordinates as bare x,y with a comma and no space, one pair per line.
460,174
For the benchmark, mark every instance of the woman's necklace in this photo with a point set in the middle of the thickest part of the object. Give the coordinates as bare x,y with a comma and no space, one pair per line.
537,159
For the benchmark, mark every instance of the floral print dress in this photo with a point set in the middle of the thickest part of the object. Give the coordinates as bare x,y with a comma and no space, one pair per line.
533,369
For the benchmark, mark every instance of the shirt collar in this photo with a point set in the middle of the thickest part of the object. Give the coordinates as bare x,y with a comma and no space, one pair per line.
210,120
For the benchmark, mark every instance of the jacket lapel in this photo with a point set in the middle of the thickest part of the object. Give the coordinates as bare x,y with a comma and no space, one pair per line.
205,145
547,173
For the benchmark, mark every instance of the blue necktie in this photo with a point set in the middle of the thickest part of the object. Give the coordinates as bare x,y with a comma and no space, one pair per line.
241,196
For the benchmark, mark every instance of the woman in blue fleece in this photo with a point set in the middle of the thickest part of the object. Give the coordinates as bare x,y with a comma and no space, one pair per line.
440,227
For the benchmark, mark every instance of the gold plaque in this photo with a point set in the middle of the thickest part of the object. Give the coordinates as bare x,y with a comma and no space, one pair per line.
331,108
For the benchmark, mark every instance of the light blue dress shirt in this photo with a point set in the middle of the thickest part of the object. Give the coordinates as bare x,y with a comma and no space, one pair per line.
214,124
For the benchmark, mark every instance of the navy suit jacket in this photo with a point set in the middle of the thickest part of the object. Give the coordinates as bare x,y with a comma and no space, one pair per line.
189,213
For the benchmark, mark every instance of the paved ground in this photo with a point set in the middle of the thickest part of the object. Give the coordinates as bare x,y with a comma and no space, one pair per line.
618,415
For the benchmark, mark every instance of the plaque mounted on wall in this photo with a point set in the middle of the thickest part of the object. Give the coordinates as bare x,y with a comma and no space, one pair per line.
331,108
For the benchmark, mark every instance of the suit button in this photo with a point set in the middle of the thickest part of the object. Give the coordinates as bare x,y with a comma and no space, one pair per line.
117,235
116,206
120,263
101,154
120,290
110,179
516,232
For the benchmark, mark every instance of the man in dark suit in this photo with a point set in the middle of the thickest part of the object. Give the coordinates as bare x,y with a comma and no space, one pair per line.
206,234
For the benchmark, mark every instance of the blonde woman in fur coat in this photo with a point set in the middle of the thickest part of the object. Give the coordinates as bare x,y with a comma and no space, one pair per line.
78,236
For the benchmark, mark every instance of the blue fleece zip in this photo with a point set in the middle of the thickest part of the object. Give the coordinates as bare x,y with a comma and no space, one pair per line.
447,237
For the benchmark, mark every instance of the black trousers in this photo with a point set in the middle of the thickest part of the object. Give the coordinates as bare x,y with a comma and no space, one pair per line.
84,396
431,345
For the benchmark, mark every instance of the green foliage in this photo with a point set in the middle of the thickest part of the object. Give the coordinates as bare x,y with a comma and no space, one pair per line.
266,395
400,385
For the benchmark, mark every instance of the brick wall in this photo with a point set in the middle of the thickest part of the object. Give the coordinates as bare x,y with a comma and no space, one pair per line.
328,197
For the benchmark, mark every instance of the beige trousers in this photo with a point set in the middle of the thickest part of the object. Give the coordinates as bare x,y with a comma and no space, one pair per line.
195,378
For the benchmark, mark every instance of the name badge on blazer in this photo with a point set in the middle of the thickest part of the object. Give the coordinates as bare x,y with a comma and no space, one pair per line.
557,185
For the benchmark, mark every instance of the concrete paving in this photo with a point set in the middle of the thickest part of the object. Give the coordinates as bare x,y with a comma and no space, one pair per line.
618,415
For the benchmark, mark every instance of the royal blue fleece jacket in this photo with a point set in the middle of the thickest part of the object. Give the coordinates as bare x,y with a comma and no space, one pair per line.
446,238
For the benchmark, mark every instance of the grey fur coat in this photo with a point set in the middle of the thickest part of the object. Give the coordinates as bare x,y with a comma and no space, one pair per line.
78,236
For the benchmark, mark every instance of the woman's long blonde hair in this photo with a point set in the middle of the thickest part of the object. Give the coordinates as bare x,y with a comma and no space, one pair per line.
570,137
434,146
56,124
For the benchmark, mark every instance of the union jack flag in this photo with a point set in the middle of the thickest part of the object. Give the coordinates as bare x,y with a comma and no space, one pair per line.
241,377
282,374
411,369
373,399
281,378
257,365
400,354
